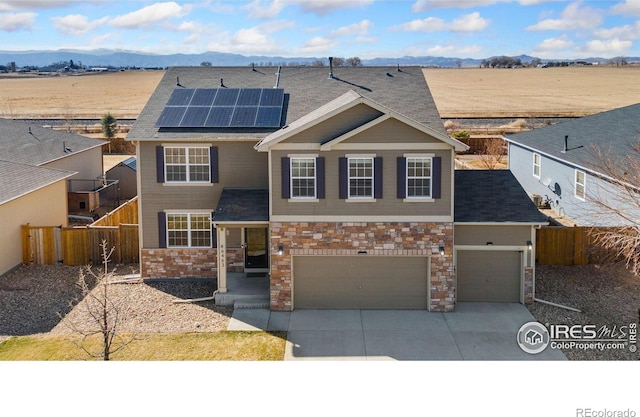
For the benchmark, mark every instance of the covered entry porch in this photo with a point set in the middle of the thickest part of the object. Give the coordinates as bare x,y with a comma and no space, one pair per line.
241,221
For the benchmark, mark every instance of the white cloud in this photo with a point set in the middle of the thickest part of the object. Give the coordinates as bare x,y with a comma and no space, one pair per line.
609,47
628,7
572,17
324,7
318,44
11,22
554,44
471,22
360,28
626,32
366,39
32,4
426,5
430,24
252,40
150,15
76,24
445,50
258,10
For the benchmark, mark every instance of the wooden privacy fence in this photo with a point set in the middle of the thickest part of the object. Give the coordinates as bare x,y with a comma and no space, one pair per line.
78,245
569,246
127,213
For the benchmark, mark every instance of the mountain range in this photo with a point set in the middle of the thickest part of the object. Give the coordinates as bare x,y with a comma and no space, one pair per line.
127,59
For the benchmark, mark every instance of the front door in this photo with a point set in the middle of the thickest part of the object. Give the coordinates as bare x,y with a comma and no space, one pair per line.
256,248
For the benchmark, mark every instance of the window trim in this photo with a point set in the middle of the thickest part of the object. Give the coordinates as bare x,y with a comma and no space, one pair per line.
313,158
373,176
187,165
430,177
189,229
538,165
583,185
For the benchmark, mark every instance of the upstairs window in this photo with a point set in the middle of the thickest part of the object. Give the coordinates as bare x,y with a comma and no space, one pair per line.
303,177
536,165
580,185
360,177
418,177
187,164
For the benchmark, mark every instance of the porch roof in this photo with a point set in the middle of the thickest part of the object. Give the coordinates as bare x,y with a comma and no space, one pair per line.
242,205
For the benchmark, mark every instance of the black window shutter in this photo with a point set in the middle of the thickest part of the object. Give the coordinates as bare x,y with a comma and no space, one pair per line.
343,177
213,163
377,177
320,177
436,177
286,176
162,229
160,163
402,177
214,232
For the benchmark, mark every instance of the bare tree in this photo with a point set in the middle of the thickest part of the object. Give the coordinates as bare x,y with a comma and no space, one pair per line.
103,310
492,156
622,205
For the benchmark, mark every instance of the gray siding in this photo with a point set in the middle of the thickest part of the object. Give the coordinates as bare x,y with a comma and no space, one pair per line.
239,166
389,205
560,178
338,124
499,235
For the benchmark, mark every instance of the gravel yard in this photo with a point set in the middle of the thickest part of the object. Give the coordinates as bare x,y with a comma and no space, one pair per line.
31,299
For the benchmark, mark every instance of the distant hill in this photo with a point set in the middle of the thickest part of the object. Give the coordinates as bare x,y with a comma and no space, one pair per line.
124,59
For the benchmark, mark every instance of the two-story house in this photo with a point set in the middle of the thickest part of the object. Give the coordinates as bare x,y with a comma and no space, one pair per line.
337,183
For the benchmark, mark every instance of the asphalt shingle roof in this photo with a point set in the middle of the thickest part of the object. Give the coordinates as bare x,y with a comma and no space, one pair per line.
18,179
611,131
493,196
32,144
306,89
242,205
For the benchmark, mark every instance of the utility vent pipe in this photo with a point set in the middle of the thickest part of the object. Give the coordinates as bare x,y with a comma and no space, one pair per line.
330,67
278,77
566,143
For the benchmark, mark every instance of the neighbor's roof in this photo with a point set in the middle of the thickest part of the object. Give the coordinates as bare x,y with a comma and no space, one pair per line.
492,196
130,162
30,143
611,131
242,205
305,88
18,179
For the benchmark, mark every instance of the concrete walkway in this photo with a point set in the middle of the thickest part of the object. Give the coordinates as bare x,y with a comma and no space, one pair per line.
475,331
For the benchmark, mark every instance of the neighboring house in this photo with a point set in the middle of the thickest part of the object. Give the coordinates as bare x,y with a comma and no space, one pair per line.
36,165
557,165
338,183
125,173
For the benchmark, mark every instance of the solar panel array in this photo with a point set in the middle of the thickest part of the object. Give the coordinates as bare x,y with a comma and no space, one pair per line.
223,107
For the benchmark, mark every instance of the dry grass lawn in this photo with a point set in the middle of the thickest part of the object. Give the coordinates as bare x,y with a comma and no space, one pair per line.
531,92
124,94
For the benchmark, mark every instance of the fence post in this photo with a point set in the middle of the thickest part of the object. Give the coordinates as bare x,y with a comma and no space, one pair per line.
26,244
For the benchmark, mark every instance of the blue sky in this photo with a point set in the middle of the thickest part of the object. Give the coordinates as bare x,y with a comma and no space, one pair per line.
320,28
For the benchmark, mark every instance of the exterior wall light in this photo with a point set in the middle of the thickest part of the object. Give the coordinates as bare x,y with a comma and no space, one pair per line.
280,250
441,250
529,244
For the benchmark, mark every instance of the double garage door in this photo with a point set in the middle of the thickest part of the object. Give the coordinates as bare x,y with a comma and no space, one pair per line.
360,282
492,276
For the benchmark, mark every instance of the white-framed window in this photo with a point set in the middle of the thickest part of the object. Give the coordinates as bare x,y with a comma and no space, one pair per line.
187,164
303,177
360,177
188,230
419,177
536,165
580,185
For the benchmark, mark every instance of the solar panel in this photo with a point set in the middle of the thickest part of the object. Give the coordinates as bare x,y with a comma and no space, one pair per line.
223,107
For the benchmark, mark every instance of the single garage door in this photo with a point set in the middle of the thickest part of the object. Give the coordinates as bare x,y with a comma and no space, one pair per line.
360,282
488,276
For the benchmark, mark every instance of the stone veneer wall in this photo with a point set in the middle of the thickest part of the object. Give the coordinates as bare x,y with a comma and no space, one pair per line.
347,238
528,284
187,262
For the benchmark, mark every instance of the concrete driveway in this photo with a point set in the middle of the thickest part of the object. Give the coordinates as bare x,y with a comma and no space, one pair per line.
475,331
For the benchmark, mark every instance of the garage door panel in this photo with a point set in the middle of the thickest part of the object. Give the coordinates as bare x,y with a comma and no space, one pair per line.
366,282
491,276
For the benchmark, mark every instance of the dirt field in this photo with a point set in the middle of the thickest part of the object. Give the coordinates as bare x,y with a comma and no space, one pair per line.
532,92
124,94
